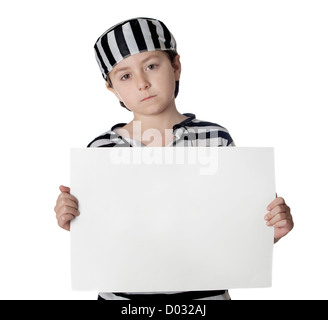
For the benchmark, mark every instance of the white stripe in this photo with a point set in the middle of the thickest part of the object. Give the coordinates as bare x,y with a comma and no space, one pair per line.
173,42
102,142
147,35
160,32
129,39
207,129
104,58
113,47
212,142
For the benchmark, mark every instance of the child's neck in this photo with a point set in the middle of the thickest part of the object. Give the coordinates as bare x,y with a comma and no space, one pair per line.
161,122
153,130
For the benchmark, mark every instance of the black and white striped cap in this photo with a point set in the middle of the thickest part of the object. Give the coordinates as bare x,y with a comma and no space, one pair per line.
131,37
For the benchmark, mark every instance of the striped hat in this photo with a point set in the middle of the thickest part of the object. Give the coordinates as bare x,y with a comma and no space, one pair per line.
131,37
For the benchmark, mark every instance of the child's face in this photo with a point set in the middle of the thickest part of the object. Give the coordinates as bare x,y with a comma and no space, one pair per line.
145,82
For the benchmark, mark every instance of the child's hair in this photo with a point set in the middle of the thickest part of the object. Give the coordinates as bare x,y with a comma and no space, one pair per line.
171,55
131,37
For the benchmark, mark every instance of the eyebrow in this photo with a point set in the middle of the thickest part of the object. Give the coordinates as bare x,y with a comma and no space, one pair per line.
127,68
120,70
149,58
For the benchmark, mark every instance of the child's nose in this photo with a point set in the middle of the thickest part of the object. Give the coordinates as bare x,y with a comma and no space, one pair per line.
143,83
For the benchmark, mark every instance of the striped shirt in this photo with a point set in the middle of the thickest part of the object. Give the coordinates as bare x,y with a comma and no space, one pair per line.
188,133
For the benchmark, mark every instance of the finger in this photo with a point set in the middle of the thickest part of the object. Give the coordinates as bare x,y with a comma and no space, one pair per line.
70,202
277,218
64,210
64,199
276,210
65,195
283,223
276,202
64,189
65,221
65,203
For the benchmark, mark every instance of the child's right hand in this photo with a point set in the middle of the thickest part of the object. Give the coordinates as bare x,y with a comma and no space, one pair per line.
66,208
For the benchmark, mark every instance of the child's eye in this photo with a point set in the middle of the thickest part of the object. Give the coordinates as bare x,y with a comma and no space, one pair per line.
125,77
151,67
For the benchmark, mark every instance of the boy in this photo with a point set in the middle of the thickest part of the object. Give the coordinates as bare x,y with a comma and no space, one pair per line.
140,64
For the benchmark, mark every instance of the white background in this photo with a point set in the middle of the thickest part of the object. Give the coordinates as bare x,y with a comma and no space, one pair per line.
259,68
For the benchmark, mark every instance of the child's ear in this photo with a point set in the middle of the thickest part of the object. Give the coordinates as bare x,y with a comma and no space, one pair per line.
108,86
112,90
177,67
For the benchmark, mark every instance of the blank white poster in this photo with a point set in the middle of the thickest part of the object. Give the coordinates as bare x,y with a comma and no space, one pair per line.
171,219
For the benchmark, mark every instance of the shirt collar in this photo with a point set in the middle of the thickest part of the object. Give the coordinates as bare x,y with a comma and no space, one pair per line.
182,124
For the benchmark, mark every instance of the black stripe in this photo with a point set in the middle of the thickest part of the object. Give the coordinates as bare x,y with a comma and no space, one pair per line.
104,67
190,116
108,52
121,43
154,34
208,135
106,136
137,32
110,145
167,35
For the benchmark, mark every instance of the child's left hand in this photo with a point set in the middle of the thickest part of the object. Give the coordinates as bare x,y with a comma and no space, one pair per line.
279,217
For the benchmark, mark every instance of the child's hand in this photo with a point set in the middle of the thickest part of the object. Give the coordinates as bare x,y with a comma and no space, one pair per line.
66,208
280,218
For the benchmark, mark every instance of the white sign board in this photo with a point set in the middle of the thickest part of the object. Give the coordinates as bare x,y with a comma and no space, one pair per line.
171,219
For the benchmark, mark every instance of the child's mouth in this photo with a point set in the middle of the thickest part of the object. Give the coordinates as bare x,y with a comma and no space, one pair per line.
148,98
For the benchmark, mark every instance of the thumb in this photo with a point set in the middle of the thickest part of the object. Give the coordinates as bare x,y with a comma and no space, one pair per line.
64,189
